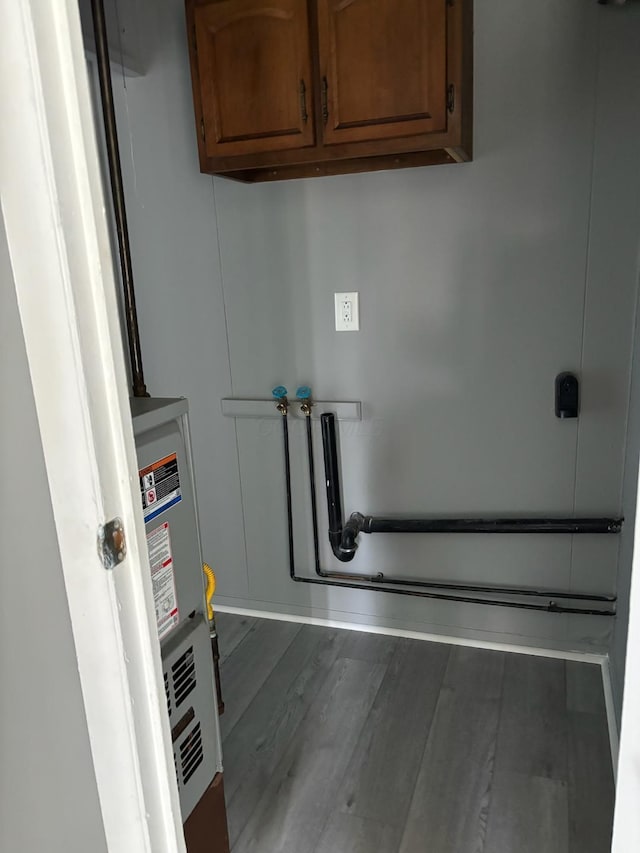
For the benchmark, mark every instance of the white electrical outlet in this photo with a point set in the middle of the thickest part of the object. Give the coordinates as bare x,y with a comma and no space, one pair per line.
347,314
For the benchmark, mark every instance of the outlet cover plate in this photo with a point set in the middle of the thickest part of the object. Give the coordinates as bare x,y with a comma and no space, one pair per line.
347,312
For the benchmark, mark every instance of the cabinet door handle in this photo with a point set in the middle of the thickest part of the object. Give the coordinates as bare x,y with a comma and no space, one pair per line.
304,115
325,100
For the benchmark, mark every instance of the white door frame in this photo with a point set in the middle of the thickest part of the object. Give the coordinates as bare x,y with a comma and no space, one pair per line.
54,215
626,825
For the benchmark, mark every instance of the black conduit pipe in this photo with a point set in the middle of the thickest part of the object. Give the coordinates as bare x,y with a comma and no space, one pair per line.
312,491
117,193
371,524
353,581
287,478
332,480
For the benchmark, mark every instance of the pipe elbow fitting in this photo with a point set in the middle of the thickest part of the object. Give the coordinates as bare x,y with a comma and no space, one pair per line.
342,553
349,537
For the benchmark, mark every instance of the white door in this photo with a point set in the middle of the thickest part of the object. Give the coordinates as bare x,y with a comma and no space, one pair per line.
626,824
54,216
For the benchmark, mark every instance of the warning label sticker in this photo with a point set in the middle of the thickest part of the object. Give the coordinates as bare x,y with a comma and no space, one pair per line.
162,577
160,486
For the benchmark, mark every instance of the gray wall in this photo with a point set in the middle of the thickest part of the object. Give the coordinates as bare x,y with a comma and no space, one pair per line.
478,283
48,794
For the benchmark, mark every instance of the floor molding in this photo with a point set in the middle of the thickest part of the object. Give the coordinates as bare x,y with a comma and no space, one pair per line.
584,657
612,722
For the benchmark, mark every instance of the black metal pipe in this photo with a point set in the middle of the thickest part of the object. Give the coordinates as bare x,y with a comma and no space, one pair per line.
551,607
373,524
345,545
287,476
332,478
353,581
312,492
464,587
117,193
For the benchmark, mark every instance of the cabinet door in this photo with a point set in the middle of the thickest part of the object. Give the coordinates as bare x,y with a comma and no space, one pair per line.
383,65
254,64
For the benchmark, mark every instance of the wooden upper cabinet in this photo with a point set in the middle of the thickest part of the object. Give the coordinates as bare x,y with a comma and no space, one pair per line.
383,67
254,67
296,88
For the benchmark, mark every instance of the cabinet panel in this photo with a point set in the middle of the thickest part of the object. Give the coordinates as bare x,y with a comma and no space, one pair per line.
383,65
254,65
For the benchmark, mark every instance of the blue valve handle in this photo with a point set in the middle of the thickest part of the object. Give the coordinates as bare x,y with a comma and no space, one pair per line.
303,392
279,392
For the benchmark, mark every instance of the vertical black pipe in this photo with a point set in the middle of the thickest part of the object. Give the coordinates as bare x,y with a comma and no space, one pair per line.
287,475
215,651
117,192
332,477
314,500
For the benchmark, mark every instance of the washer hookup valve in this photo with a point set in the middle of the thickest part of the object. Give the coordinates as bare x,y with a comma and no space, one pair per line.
279,394
304,398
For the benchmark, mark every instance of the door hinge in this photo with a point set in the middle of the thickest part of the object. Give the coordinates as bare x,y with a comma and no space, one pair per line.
195,42
202,129
112,545
451,97
450,2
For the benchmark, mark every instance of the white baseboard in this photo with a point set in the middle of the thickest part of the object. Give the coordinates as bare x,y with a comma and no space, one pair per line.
585,657
612,722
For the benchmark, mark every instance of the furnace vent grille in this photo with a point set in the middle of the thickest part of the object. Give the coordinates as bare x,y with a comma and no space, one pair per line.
191,754
184,676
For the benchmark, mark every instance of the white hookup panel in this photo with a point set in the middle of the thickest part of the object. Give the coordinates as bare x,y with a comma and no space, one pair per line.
347,313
